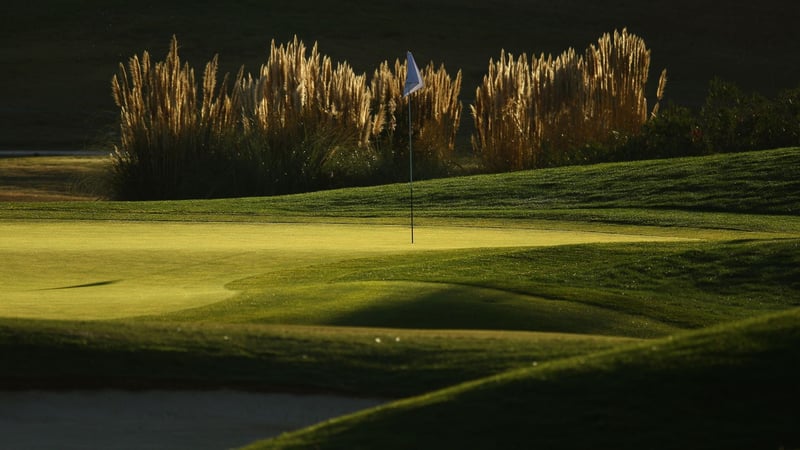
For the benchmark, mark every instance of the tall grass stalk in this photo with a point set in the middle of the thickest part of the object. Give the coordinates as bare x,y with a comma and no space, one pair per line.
531,112
159,123
435,117
304,120
300,123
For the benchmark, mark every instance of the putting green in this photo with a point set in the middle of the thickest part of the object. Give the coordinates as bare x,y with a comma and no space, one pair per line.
91,270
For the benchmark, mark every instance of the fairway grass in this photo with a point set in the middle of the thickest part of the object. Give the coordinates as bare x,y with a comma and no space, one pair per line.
648,305
94,270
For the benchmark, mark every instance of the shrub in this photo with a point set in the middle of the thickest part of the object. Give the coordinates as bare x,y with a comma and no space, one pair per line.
673,132
728,117
782,128
732,120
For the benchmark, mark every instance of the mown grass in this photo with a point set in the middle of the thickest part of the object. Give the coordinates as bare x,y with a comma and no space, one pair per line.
726,387
754,191
94,270
310,311
682,285
640,290
630,289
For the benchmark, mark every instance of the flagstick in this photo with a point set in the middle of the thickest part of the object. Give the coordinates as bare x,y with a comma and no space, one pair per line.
411,168
413,83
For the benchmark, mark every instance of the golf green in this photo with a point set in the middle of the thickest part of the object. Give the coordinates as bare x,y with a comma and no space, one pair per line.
92,270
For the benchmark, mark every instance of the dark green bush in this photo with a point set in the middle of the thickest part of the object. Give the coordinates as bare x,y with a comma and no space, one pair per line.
672,133
732,120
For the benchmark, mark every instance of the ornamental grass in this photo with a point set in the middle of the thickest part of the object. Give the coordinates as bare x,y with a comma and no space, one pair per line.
534,112
300,123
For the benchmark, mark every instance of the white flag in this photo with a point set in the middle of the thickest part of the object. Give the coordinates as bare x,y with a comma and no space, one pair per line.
413,78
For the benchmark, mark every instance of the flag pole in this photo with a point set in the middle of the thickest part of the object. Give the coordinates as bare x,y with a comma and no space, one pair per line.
413,83
411,168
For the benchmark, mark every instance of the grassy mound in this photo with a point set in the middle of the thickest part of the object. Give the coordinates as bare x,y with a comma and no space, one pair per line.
732,386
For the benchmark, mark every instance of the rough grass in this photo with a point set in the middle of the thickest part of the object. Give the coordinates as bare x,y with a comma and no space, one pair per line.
53,178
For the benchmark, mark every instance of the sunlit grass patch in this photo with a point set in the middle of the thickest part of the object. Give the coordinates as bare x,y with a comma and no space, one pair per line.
158,267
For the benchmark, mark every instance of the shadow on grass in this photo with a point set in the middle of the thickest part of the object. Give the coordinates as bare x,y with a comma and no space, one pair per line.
86,285
452,306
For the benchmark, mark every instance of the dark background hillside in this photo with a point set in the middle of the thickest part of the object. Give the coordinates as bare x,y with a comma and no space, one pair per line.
57,57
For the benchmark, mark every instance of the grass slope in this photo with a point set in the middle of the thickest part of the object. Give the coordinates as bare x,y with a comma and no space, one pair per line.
754,191
727,387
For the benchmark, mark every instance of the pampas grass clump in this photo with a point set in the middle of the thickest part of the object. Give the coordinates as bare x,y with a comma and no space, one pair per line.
435,118
278,132
304,121
300,123
533,112
160,124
